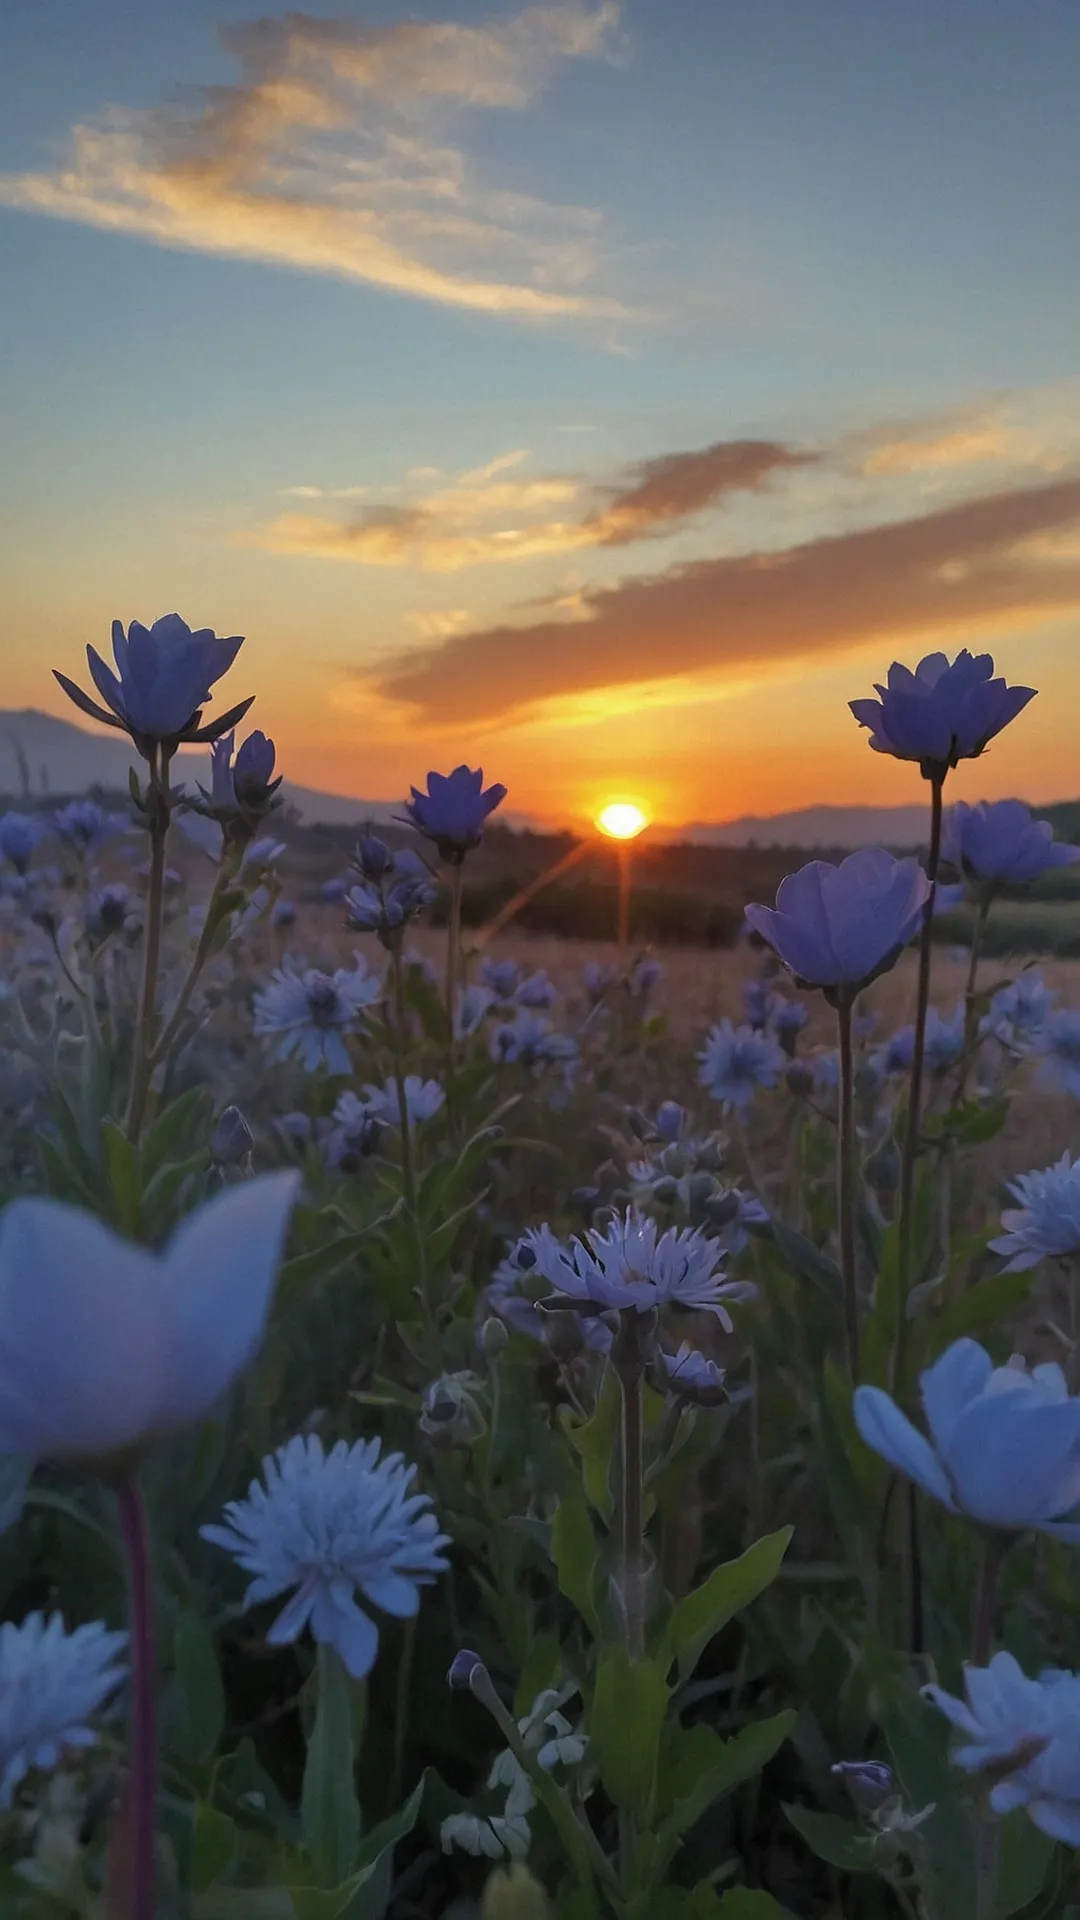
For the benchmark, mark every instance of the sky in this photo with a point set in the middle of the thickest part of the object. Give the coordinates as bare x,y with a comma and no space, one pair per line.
600,393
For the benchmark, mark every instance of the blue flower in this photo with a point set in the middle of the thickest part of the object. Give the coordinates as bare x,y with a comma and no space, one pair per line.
630,1265
757,998
1023,1736
788,1018
644,977
1018,1012
1000,841
453,810
692,1376
283,913
1059,1044
1046,1224
423,1100
163,677
670,1120
944,1043
474,1005
528,1039
536,991
20,835
1004,1445
106,1345
329,1525
501,976
108,910
940,714
309,1013
86,825
245,787
840,927
332,891
736,1061
52,1683
598,978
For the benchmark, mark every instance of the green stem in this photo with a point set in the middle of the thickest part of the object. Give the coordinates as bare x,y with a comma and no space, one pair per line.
408,1154
401,1713
914,1114
982,1638
157,800
226,874
630,1371
971,1023
453,969
845,1190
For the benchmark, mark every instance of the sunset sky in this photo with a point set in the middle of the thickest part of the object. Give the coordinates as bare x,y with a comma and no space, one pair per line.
600,393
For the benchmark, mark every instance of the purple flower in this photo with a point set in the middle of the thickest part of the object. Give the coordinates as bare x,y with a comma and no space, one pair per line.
999,840
501,976
840,927
536,991
735,1061
692,1376
19,836
670,1120
1059,1044
246,784
453,810
940,714
163,676
85,825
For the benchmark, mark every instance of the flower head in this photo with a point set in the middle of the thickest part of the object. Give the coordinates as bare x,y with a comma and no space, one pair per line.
308,1013
944,1043
85,825
1024,1737
692,1376
839,927
1004,1444
453,810
736,1061
52,1683
1047,1221
108,910
1059,1044
242,789
20,834
598,978
536,991
501,976
942,713
108,1346
1000,841
330,1525
630,1265
163,678
1018,1012
423,1100
530,1040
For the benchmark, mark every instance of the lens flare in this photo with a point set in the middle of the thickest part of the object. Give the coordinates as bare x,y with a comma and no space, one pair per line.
622,820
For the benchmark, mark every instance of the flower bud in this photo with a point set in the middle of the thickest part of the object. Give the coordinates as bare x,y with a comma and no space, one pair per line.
722,1209
673,1161
670,1120
513,1894
450,1415
638,1123
373,858
870,1783
463,1666
494,1338
232,1140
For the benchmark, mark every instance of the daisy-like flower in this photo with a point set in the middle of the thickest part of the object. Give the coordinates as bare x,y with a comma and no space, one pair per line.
944,1044
528,1040
423,1100
308,1013
1059,1044
630,1265
52,1683
1018,1012
329,1525
1023,1736
536,991
1047,1221
736,1061
692,1376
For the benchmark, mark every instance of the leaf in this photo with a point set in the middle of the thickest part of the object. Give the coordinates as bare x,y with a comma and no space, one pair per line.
214,1847
838,1842
730,1762
626,1720
743,1903
728,1589
1024,1860
596,1441
304,1269
329,1809
16,1472
122,1167
573,1549
879,1329
199,1693
374,1860
808,1262
980,1309
177,1130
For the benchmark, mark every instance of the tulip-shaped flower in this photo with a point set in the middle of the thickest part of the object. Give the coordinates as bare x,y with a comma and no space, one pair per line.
942,713
106,1346
838,928
1004,1446
163,677
454,809
1001,843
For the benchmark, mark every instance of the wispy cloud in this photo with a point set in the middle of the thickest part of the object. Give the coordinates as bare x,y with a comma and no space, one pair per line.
329,155
486,517
996,562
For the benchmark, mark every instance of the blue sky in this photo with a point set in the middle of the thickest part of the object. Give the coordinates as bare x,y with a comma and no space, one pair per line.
517,263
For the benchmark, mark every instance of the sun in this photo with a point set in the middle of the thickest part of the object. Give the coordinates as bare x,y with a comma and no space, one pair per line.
622,820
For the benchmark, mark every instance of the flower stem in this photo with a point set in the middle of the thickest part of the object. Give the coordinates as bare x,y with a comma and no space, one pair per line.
142,1759
845,1189
226,874
914,1114
408,1158
157,801
629,1366
982,1638
970,1015
453,967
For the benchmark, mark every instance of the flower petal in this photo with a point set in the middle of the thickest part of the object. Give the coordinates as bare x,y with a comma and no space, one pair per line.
891,1434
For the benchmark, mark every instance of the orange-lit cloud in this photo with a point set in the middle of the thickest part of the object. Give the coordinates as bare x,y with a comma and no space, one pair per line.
483,517
962,568
326,157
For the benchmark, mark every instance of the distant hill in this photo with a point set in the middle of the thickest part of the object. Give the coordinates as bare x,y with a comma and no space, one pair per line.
43,755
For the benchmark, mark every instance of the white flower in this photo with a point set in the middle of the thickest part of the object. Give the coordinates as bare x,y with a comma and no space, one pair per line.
307,1013
328,1524
1047,1221
1025,1734
51,1684
488,1836
107,1346
630,1265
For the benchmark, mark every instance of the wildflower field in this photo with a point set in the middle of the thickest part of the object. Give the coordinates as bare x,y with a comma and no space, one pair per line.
491,1430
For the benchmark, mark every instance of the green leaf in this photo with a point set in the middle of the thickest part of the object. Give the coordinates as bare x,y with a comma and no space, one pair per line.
840,1843
329,1809
122,1167
177,1129
626,1719
879,1329
295,1276
1024,1860
596,1441
724,1765
214,1847
374,1861
805,1260
573,1549
728,1589
983,1307
743,1903
199,1694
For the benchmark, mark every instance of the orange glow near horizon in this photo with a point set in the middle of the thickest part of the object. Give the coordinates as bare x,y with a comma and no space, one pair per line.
621,820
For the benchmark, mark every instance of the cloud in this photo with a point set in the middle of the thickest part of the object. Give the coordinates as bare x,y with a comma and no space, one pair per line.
466,523
974,566
321,159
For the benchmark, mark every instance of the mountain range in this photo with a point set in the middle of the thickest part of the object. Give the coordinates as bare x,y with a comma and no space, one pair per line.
42,755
